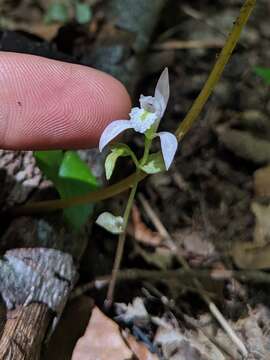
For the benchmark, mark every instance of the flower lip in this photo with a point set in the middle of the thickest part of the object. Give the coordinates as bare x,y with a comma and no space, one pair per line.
141,120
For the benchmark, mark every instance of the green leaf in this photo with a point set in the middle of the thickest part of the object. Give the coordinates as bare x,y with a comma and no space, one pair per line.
116,151
71,177
83,13
73,167
49,163
57,12
155,164
77,179
113,224
264,73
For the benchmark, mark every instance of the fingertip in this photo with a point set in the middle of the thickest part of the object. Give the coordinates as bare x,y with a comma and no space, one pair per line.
49,104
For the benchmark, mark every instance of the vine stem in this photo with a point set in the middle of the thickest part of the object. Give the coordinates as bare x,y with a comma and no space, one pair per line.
183,128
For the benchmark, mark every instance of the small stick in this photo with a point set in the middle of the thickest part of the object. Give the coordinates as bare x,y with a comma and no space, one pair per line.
212,307
190,44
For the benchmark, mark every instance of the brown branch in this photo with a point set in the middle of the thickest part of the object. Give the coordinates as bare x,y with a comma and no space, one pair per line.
24,332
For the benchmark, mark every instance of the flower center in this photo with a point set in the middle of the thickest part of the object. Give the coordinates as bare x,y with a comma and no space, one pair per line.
144,115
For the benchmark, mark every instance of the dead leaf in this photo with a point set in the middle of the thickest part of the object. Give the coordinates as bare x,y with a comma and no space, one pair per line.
248,255
255,255
187,345
262,227
134,313
262,181
71,326
161,257
194,242
245,145
101,340
254,329
141,232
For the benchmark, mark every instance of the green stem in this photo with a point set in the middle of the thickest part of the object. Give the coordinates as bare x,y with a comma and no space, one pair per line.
185,125
217,70
147,146
121,244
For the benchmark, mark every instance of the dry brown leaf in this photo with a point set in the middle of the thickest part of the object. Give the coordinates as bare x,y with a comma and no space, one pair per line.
248,255
194,242
71,326
187,345
101,340
255,329
45,31
141,232
262,227
262,181
255,255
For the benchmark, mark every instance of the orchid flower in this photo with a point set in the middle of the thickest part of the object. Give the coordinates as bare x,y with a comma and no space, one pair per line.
147,117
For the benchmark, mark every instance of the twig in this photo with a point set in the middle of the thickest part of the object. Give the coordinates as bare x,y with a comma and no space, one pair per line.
212,307
190,44
247,276
194,324
183,128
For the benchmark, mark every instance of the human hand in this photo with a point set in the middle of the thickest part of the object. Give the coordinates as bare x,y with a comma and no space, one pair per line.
48,104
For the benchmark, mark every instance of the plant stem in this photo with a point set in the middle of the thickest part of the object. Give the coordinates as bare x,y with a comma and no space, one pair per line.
181,131
120,245
217,70
147,146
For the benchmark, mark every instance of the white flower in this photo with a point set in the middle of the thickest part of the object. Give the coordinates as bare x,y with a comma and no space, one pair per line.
142,118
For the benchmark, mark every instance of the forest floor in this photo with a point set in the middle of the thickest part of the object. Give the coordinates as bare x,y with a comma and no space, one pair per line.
211,208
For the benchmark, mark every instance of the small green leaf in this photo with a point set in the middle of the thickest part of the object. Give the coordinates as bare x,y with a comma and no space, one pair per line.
77,179
264,73
49,163
73,167
57,12
155,164
111,161
113,224
71,177
116,151
83,13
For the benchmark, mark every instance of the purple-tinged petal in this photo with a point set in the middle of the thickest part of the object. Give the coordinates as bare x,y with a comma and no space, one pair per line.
112,130
169,146
162,91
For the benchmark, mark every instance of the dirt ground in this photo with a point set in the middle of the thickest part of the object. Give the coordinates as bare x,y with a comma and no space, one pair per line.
213,203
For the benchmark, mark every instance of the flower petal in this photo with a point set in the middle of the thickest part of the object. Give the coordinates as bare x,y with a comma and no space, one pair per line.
112,130
169,146
162,91
151,104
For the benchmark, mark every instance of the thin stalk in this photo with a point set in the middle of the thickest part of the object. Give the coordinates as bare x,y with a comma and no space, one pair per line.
121,245
217,70
181,131
122,236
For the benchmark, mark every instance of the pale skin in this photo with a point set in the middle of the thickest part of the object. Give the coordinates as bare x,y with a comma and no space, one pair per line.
48,104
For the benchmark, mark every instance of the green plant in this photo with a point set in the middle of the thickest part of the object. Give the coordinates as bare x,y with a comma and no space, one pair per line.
144,120
264,73
64,11
71,177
